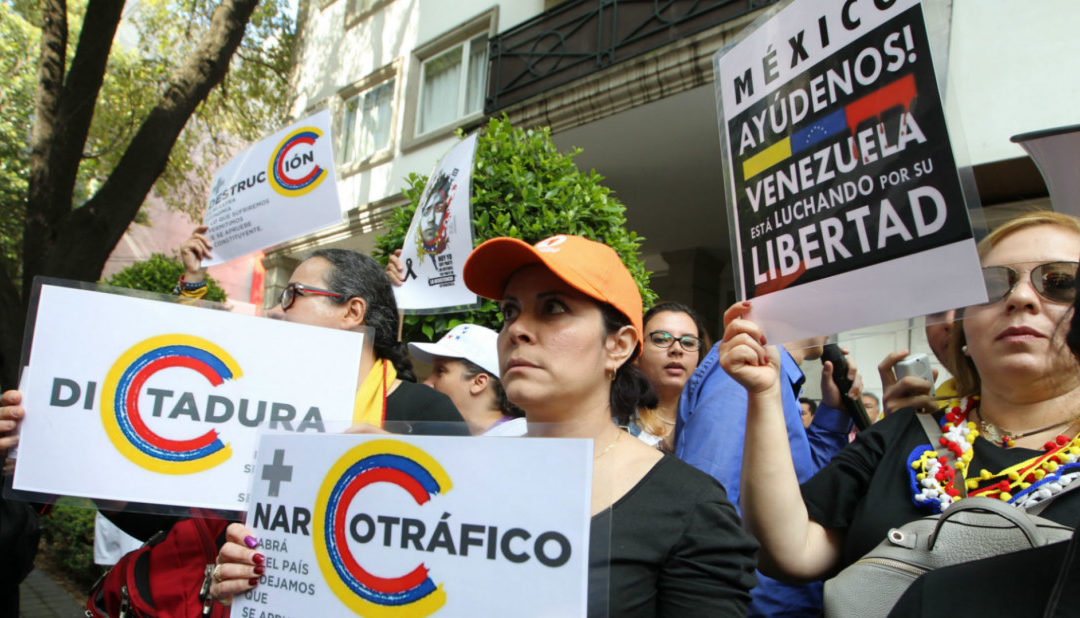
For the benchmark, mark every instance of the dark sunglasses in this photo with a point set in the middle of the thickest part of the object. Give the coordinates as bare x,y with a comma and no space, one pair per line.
664,339
1054,281
291,291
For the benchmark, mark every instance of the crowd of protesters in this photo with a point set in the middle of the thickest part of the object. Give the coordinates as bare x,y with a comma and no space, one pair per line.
722,490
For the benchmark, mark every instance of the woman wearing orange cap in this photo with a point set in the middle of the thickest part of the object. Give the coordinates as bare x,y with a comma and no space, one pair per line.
571,327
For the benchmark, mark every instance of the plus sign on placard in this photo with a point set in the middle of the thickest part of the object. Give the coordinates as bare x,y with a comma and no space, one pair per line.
276,472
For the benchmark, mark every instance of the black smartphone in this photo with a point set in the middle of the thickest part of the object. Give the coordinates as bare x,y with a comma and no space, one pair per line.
854,407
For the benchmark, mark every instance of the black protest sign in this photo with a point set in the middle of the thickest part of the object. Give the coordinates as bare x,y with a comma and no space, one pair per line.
847,164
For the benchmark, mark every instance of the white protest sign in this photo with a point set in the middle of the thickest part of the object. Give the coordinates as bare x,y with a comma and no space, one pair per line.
440,237
147,401
841,183
414,526
280,188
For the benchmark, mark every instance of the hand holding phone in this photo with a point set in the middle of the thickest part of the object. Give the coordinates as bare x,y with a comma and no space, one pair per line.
917,365
854,407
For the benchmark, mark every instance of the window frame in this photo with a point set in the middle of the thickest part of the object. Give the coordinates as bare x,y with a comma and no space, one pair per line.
460,36
359,88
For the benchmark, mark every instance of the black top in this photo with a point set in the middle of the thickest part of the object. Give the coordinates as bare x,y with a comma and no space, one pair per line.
677,548
411,408
418,409
865,490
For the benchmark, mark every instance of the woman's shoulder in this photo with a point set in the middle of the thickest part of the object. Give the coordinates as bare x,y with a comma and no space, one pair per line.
416,402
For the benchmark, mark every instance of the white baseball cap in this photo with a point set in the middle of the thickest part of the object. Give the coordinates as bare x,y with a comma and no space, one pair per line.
471,342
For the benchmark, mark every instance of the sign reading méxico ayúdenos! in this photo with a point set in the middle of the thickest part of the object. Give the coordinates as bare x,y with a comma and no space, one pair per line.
278,189
841,181
155,402
414,526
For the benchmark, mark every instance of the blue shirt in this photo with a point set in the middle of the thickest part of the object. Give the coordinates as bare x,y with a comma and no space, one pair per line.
709,435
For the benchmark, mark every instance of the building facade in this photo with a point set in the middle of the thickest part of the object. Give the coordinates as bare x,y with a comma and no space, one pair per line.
630,82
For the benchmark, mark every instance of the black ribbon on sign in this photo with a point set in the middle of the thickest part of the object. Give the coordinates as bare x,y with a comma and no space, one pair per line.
408,269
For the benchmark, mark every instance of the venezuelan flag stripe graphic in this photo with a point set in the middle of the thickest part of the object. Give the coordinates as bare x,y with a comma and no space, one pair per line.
899,93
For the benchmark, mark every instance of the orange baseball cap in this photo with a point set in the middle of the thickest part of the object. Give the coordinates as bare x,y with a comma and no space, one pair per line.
592,268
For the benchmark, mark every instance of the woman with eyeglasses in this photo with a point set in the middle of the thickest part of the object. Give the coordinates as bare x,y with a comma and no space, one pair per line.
675,342
1015,425
338,288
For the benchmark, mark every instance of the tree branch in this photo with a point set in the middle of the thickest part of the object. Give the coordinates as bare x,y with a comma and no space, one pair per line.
88,234
46,126
79,97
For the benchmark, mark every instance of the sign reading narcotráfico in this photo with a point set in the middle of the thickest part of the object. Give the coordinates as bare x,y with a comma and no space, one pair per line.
155,402
440,237
415,526
278,189
842,186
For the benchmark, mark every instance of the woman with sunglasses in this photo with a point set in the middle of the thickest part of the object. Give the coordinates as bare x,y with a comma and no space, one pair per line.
1014,425
675,342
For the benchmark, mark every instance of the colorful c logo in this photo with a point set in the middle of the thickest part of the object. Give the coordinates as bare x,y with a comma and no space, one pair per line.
285,166
377,461
120,403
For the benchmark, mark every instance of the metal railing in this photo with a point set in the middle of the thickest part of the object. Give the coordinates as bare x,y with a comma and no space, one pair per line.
580,37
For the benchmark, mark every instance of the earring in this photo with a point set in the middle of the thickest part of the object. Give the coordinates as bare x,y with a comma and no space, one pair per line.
964,350
611,375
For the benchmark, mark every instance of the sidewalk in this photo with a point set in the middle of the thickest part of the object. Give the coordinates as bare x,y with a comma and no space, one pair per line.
41,597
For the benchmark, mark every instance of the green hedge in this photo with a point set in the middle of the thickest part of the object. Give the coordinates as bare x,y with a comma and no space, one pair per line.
159,274
67,534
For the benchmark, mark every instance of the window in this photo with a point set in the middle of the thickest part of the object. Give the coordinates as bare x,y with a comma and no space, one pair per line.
453,85
367,123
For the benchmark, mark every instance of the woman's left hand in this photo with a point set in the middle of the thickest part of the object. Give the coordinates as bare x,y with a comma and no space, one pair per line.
744,354
239,565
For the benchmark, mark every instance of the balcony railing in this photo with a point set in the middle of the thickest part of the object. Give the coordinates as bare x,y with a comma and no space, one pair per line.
579,37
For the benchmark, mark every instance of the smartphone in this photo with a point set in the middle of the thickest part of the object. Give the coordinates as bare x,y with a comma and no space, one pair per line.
917,365
854,407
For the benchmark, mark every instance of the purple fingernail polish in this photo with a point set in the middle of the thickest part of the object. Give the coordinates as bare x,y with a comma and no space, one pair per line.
251,541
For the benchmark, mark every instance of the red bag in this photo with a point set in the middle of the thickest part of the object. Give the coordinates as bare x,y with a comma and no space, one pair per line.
168,577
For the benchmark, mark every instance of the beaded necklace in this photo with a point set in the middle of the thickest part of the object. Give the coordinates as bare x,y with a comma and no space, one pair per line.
934,482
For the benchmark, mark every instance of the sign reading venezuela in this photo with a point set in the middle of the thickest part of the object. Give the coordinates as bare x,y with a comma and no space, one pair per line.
419,526
841,182
156,402
278,189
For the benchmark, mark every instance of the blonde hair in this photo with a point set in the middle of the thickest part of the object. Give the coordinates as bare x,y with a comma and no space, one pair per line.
966,376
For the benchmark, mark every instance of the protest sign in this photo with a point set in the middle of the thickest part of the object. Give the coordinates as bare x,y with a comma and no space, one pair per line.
842,187
280,188
154,402
411,526
440,237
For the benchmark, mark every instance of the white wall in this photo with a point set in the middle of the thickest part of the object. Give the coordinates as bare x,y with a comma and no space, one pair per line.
1013,68
334,57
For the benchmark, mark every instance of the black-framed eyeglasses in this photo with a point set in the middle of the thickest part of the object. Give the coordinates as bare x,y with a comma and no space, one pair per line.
1054,281
664,339
291,291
